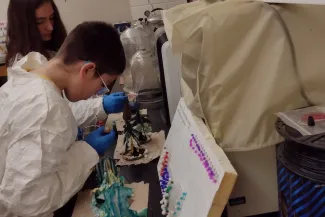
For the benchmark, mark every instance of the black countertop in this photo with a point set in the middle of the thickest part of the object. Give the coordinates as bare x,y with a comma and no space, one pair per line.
148,172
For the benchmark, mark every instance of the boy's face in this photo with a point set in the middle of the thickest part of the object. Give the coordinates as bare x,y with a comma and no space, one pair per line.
87,82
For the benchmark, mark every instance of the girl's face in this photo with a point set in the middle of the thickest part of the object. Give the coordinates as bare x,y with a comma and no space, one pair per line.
45,20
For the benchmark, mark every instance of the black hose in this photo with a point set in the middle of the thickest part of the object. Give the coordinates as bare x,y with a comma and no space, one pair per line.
303,160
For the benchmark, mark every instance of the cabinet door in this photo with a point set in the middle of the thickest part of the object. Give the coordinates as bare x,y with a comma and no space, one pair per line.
3,71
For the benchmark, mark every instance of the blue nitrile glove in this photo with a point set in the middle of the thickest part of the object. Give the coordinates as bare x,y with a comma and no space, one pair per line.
134,106
100,140
80,134
114,103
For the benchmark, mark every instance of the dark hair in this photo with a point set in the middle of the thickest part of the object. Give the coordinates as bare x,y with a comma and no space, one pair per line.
97,42
22,33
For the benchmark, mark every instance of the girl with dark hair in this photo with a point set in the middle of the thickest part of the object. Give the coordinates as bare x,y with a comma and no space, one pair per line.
33,25
36,26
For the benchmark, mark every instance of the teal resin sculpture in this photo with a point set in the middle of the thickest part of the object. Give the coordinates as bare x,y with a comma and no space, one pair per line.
112,198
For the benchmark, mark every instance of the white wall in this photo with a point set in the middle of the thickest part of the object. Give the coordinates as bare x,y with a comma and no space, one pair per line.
3,9
74,12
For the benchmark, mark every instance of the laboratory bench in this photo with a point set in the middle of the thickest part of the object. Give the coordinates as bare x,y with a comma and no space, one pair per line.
137,173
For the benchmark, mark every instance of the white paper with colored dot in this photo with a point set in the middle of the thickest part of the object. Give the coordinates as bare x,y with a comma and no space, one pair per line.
187,169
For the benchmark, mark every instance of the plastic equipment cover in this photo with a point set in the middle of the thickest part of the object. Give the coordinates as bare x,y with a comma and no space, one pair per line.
134,39
243,61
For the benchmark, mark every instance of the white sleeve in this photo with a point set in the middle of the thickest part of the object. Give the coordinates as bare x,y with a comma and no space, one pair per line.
85,111
42,173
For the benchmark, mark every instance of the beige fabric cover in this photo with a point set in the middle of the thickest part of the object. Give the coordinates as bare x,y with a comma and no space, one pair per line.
243,61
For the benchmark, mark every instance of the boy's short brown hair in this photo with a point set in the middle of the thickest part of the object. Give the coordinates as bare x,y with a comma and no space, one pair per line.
97,42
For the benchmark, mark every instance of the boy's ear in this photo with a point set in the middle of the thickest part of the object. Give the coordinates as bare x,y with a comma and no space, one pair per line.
88,69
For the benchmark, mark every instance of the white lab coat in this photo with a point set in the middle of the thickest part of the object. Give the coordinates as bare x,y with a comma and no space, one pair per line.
41,165
86,112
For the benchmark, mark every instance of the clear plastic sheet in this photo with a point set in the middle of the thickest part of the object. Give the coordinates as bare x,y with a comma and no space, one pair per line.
298,119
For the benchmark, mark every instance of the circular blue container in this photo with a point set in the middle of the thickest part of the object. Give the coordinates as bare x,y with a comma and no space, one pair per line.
300,195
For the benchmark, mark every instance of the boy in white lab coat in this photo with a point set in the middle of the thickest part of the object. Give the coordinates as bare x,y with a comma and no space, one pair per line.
41,164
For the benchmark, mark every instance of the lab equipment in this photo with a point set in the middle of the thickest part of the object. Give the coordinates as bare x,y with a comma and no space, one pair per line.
134,39
154,19
217,78
231,75
301,168
145,75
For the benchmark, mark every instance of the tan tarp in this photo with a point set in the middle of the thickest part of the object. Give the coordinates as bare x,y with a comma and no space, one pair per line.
243,61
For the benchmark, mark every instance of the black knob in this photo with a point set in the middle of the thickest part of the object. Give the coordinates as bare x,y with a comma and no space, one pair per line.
311,121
